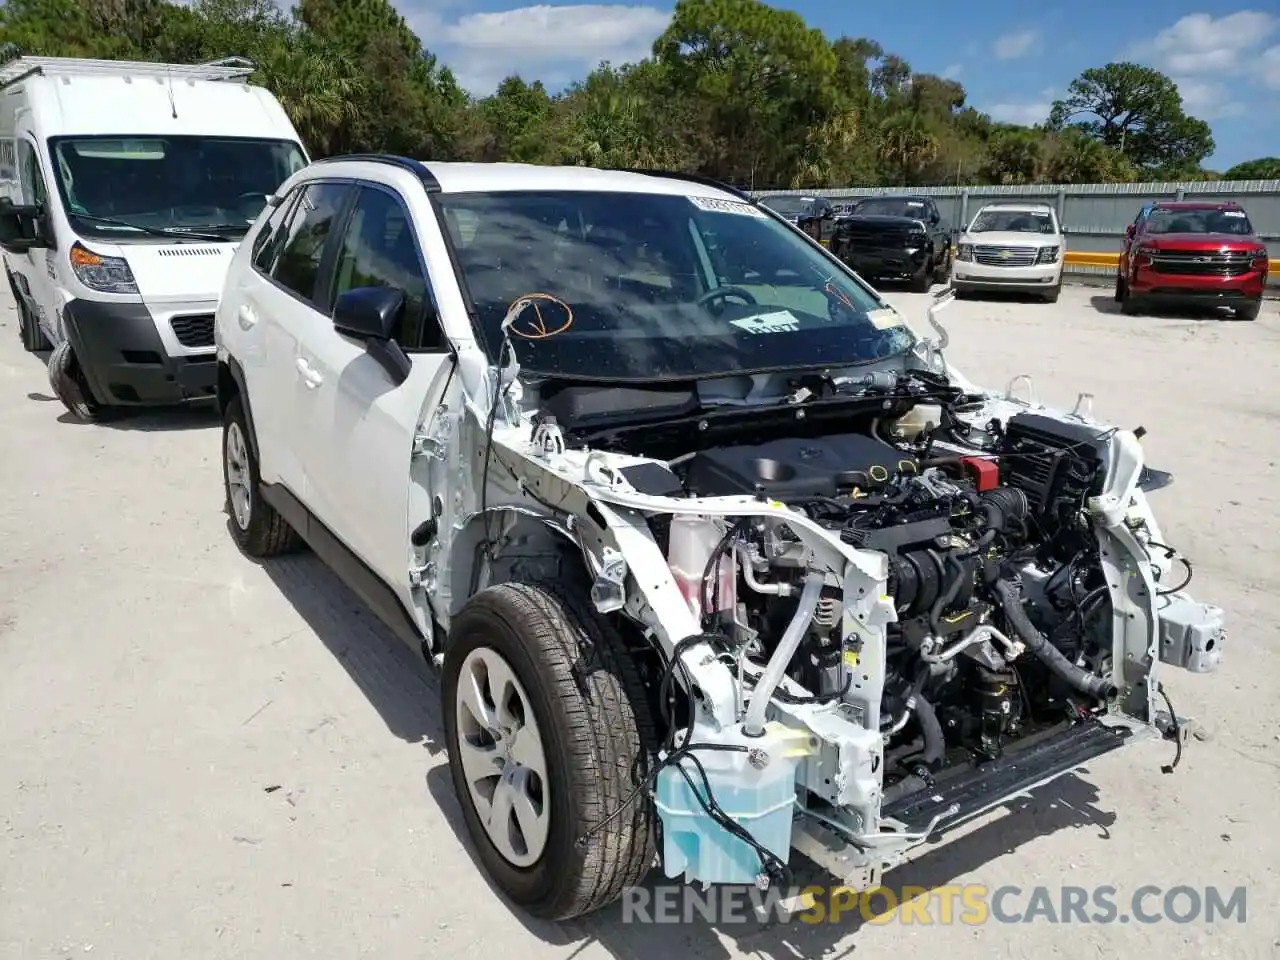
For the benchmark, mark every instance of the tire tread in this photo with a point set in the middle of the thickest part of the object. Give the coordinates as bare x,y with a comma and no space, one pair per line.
613,738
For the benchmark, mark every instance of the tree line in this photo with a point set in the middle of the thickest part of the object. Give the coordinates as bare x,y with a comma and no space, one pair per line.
734,89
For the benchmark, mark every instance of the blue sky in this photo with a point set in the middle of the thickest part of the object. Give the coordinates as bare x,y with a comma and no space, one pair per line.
1012,57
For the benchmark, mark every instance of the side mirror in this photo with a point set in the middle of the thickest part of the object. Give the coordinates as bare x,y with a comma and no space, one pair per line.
1129,231
371,315
19,228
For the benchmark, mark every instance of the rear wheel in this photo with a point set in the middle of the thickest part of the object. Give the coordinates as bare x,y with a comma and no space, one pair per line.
33,338
1121,288
1249,311
550,739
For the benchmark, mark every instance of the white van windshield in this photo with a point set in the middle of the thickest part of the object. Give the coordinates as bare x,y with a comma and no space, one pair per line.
117,186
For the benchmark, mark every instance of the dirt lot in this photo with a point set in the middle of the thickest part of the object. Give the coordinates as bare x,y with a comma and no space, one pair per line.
205,757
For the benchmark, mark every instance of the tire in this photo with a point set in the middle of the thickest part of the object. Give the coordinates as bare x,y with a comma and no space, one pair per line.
1249,311
33,338
942,274
572,674
1052,295
1129,306
921,282
258,529
1121,289
70,386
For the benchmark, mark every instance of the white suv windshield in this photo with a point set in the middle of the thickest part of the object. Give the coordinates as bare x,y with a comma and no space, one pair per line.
643,287
121,186
1013,221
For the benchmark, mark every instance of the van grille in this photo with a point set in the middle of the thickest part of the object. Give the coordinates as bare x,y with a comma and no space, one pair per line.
193,330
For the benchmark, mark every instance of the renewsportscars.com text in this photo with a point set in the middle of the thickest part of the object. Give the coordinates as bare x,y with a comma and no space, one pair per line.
969,904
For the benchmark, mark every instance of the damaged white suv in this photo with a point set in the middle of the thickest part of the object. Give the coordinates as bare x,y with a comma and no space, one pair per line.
719,559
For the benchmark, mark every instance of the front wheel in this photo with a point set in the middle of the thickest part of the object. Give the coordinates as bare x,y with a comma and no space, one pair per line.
551,746
256,526
69,385
922,281
1121,288
1249,311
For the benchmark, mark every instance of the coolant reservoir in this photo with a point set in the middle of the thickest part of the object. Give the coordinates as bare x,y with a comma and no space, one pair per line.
692,541
913,423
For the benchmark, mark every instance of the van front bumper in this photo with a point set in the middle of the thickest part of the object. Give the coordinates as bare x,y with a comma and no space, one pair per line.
124,360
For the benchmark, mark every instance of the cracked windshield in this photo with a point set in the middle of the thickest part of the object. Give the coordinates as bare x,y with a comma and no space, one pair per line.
643,287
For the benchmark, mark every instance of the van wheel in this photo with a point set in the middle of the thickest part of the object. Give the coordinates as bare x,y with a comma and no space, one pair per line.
550,741
70,386
256,526
33,338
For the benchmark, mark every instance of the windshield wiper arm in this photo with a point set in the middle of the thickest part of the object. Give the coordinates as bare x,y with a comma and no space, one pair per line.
153,231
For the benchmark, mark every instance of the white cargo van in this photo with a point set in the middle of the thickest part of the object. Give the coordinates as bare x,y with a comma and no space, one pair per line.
125,189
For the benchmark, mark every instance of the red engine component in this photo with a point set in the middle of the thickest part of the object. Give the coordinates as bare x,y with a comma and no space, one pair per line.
985,472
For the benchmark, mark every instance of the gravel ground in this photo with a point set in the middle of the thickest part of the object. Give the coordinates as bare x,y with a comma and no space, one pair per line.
207,757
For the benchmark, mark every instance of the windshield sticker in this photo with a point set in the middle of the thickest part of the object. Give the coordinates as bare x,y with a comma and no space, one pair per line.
885,319
1233,213
716,205
780,321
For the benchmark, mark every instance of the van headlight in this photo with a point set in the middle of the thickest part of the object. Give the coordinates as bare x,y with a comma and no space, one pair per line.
104,274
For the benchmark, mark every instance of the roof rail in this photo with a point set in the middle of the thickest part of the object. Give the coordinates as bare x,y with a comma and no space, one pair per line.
15,67
690,177
416,167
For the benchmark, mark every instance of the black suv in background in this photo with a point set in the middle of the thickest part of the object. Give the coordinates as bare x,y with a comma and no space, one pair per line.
812,214
895,237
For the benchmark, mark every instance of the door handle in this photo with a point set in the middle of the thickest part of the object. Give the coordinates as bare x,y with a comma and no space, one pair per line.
246,317
310,374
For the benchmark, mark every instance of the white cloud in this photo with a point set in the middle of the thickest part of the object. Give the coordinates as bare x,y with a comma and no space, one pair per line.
1269,63
1026,114
953,71
554,43
1016,43
1200,53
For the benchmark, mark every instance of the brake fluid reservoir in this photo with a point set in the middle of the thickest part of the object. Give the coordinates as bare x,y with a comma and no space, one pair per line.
693,539
914,422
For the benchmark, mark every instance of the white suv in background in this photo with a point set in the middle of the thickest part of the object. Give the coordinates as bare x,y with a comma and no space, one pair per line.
1011,246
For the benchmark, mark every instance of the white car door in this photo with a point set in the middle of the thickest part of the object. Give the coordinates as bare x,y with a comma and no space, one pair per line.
357,424
276,310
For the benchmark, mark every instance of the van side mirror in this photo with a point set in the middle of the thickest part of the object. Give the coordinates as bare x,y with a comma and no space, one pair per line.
19,227
372,315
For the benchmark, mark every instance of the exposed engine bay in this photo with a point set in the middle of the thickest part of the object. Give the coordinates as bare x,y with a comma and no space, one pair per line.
886,602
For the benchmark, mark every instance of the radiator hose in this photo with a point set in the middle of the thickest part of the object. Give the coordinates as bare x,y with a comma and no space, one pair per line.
1098,688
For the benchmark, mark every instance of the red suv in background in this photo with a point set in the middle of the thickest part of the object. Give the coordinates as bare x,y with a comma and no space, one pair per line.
1192,252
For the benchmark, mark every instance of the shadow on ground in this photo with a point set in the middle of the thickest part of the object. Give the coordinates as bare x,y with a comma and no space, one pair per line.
197,416
1189,311
405,692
